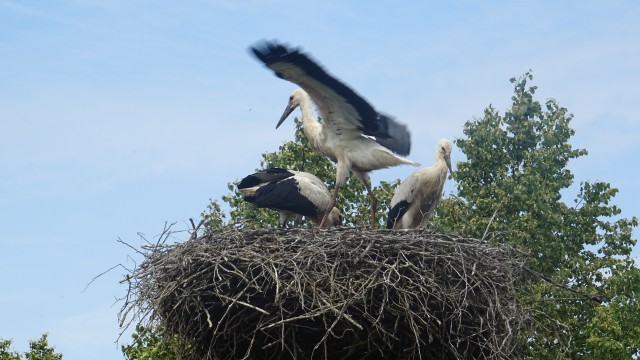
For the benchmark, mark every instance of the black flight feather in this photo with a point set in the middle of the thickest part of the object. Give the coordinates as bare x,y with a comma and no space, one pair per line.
283,195
265,176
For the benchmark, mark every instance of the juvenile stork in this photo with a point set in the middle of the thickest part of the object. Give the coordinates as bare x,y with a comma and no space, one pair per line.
416,198
351,132
291,193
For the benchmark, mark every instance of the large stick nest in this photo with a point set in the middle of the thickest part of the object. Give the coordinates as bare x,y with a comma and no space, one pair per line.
331,294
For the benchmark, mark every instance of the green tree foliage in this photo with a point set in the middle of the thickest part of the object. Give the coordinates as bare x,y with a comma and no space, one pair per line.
510,190
5,351
38,350
149,344
213,217
353,200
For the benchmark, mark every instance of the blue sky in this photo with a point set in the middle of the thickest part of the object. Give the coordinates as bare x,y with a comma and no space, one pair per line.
119,116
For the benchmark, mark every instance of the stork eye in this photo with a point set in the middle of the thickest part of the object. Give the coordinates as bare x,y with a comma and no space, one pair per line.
291,98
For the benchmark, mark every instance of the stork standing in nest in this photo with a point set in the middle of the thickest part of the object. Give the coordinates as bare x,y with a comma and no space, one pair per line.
290,193
352,133
416,198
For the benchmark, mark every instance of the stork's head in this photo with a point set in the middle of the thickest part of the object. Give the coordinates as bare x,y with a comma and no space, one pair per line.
443,151
333,219
295,99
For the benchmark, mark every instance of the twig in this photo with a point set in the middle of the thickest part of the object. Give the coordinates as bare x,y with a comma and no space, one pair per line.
486,231
102,273
592,297
194,231
130,246
236,301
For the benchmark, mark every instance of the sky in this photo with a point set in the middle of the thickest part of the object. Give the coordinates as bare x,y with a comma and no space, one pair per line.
119,116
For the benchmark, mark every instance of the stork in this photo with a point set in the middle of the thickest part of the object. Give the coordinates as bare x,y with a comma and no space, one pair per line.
291,193
415,200
351,132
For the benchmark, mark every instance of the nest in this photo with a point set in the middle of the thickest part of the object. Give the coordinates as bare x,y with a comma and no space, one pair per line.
331,294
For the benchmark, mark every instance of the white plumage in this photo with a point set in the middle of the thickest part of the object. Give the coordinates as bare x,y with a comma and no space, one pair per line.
291,193
351,133
415,200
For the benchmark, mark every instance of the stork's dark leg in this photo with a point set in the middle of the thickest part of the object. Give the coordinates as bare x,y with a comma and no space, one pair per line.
334,200
366,180
284,218
342,170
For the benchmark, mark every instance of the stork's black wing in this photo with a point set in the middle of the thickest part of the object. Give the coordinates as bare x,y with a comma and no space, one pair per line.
283,195
263,177
396,213
399,139
333,96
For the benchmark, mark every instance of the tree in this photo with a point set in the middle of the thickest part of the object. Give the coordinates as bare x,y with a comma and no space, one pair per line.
149,344
582,286
38,350
5,351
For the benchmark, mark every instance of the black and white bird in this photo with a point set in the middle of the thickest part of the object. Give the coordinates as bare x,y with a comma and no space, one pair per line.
291,193
351,132
416,198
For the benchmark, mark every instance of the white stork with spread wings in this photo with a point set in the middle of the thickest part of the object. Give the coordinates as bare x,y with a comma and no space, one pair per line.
415,200
352,133
290,193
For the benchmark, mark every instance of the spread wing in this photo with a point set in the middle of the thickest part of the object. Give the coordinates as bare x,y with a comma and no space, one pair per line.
340,106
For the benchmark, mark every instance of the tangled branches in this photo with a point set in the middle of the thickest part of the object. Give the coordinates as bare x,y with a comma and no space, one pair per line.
331,294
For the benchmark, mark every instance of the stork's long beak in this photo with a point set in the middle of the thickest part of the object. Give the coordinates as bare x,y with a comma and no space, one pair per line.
447,159
285,114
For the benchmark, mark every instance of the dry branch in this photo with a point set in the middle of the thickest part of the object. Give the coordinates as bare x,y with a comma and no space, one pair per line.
331,294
